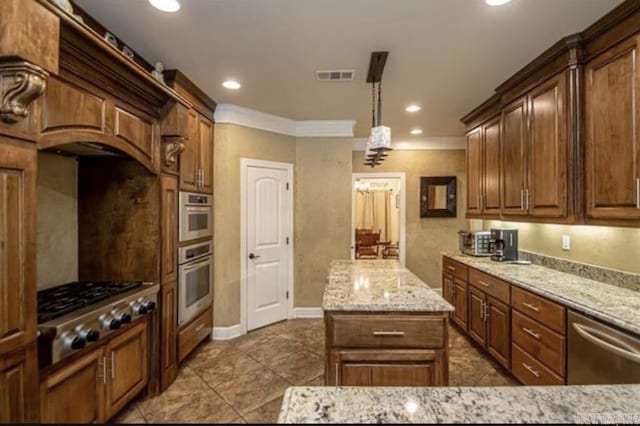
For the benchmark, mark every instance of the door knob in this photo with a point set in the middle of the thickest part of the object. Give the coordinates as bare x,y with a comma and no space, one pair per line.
253,256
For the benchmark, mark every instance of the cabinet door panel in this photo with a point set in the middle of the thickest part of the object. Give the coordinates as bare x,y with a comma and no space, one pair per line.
548,162
17,247
128,367
403,375
169,185
477,324
460,303
498,327
514,158
206,154
189,157
169,337
19,387
71,108
491,168
474,171
136,131
355,375
447,287
75,394
612,136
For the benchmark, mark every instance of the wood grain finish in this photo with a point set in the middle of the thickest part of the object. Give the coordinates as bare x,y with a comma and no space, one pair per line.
474,171
477,326
168,335
530,371
540,309
17,246
397,331
189,157
126,357
206,155
539,342
169,232
455,269
498,318
493,286
75,394
514,159
67,107
19,386
460,315
612,133
491,168
193,333
136,131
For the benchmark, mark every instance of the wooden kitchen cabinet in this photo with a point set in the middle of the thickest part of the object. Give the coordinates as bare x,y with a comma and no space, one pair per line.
169,335
498,317
189,162
19,386
491,152
447,287
474,171
612,97
460,315
169,221
17,245
206,131
477,323
514,155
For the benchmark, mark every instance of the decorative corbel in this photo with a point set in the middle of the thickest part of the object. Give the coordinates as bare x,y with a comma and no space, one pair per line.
172,148
20,84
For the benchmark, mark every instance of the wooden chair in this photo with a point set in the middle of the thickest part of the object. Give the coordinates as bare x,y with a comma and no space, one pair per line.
368,246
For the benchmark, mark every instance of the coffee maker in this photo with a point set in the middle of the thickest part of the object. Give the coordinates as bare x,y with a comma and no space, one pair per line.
504,245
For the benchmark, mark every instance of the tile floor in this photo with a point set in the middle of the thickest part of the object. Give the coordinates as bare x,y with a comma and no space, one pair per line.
243,380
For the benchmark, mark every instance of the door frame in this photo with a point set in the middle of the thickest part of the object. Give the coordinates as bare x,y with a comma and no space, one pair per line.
245,163
403,209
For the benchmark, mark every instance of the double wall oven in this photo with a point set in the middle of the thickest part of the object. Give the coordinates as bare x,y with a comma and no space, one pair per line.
195,255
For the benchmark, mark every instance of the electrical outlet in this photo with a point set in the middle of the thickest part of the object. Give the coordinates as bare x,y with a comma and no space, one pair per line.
566,242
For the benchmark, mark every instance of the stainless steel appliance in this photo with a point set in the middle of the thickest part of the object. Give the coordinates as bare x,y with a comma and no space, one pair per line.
195,282
599,354
475,243
504,245
196,216
75,315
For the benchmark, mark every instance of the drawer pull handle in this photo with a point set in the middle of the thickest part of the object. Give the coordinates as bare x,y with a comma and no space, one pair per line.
531,370
531,333
530,306
483,283
451,268
388,333
198,328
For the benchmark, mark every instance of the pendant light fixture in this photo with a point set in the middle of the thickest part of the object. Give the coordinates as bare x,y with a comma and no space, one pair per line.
379,142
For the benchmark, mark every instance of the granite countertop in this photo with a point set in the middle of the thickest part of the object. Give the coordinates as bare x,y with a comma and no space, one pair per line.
615,305
534,404
378,285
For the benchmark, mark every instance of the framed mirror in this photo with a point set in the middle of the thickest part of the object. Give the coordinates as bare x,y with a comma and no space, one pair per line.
438,196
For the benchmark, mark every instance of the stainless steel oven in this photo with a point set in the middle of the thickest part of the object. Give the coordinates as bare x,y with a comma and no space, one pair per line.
195,282
196,216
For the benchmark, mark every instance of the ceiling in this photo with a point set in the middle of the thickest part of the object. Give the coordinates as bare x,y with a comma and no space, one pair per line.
446,55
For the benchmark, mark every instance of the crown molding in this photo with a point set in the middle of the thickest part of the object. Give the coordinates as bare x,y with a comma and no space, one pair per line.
436,143
234,114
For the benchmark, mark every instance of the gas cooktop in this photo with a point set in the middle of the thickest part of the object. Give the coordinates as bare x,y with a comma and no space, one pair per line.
58,301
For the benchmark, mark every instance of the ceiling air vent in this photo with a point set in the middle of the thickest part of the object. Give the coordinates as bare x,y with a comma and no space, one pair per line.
336,75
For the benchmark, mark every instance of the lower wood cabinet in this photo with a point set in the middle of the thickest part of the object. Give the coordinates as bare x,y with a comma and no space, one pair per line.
460,315
388,368
195,332
19,386
489,322
168,335
93,388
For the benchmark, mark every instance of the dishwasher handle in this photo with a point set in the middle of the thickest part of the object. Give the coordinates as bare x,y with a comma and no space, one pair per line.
596,337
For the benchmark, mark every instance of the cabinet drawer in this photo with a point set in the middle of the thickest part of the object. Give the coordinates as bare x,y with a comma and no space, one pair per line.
454,268
398,331
540,309
490,285
540,342
194,333
530,371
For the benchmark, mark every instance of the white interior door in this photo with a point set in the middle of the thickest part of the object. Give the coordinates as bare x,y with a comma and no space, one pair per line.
268,216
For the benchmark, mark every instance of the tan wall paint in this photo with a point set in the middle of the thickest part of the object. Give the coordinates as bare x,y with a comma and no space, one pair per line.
57,220
617,248
426,238
322,213
232,143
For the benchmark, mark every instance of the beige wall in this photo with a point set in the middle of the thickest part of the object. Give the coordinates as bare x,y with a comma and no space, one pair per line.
426,238
232,143
617,248
57,220
322,213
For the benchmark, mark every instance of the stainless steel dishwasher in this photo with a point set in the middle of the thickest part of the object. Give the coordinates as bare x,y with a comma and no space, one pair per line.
600,354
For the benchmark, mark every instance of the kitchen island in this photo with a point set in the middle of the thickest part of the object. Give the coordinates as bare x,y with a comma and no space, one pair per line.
535,404
384,326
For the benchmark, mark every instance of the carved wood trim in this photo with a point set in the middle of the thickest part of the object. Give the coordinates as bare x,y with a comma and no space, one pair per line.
172,147
20,84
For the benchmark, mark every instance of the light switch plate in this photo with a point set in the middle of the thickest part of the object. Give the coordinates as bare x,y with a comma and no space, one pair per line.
566,242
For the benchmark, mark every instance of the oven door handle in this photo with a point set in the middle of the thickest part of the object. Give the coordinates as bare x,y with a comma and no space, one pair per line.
188,267
619,348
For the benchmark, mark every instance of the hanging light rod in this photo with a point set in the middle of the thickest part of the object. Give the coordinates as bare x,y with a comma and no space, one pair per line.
376,66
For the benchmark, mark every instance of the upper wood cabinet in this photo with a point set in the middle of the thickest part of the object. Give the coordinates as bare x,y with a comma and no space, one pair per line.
612,134
514,157
474,171
17,245
483,169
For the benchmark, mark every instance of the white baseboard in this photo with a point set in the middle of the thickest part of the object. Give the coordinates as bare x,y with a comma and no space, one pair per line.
307,313
226,333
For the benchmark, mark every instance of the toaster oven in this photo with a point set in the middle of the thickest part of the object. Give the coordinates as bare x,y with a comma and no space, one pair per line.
475,243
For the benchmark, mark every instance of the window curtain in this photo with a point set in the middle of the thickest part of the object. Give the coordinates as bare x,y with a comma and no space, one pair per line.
374,211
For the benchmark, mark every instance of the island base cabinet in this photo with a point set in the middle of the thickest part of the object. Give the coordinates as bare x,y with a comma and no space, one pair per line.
18,384
388,368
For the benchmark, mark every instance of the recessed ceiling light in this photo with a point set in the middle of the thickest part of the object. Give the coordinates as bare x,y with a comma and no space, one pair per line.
231,84
413,108
166,5
416,132
496,2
